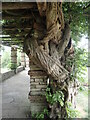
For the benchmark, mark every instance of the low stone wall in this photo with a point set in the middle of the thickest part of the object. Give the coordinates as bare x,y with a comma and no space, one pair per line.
11,73
8,74
19,69
0,77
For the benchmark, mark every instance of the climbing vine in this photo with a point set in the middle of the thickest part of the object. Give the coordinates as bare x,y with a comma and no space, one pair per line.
80,61
41,115
57,97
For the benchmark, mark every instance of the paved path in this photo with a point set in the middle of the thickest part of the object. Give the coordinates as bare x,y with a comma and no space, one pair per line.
15,102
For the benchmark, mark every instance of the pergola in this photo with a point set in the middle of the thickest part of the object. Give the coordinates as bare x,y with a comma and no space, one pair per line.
19,20
46,40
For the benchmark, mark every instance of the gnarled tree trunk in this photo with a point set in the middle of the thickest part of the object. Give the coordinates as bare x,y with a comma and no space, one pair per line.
49,44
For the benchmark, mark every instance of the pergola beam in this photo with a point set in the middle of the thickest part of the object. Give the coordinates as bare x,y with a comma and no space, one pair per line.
15,34
15,31
16,17
17,25
12,41
14,37
15,28
8,17
16,5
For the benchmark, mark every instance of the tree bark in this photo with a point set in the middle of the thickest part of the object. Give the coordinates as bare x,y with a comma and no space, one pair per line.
50,51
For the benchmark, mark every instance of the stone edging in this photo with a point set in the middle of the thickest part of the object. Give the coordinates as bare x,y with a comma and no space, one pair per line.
10,73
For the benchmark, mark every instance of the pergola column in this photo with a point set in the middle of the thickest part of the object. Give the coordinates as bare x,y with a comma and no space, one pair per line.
13,57
23,61
38,85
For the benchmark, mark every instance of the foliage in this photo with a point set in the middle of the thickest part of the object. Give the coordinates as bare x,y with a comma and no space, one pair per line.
81,58
6,60
75,14
41,115
58,96
13,66
82,88
80,61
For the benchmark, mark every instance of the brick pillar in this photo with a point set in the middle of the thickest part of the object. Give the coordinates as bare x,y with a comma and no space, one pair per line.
23,59
38,84
13,57
27,61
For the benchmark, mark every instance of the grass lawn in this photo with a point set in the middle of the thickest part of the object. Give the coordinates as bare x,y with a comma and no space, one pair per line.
3,70
82,102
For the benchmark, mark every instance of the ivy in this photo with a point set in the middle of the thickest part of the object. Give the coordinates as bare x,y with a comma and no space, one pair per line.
41,115
58,96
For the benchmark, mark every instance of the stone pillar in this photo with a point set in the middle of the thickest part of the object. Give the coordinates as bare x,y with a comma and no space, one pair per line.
23,62
38,84
27,61
13,57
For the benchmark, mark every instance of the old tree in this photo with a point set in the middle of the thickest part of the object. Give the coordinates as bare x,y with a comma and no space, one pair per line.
49,44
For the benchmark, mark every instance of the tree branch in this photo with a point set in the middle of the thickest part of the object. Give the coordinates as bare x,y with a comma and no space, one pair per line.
64,42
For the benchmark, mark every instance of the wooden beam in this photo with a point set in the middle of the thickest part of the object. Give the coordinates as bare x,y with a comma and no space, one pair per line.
12,41
18,5
14,37
9,17
14,34
15,28
18,25
14,31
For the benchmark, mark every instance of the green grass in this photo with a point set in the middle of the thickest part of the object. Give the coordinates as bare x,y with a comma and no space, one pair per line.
82,102
3,70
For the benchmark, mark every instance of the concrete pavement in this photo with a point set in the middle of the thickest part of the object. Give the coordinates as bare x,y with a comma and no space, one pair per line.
15,102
